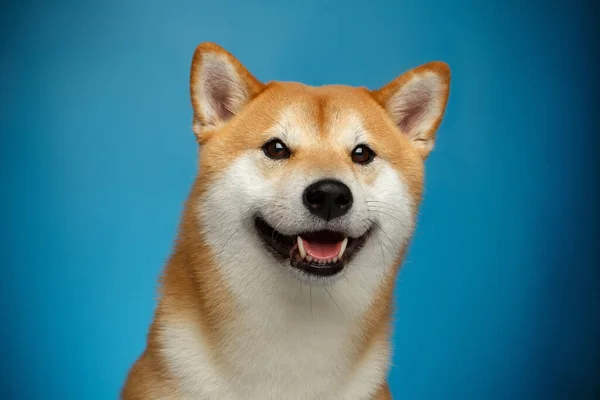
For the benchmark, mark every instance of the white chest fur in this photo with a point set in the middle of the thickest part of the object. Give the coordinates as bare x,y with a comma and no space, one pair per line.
301,356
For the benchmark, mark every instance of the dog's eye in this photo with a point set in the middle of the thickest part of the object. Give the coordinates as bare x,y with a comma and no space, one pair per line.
276,150
362,154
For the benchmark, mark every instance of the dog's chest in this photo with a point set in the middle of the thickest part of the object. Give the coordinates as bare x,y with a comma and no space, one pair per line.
275,361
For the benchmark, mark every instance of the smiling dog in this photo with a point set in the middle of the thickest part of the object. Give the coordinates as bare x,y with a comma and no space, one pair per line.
280,283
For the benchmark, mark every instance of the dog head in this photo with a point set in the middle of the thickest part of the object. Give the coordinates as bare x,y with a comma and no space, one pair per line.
312,181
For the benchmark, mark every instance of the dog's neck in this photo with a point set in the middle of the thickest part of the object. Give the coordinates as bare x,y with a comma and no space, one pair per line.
266,326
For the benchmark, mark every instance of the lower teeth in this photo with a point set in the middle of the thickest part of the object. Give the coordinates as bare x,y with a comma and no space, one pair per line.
322,262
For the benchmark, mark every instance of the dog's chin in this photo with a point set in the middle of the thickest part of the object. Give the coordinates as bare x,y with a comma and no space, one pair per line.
315,258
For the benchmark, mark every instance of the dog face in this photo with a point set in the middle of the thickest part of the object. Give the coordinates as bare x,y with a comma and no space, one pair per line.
310,182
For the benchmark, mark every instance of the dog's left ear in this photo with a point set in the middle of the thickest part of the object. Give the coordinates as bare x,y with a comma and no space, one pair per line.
416,102
220,87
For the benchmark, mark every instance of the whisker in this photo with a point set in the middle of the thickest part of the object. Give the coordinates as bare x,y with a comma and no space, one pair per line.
378,211
277,122
311,306
389,206
334,302
274,197
383,244
382,251
386,234
227,241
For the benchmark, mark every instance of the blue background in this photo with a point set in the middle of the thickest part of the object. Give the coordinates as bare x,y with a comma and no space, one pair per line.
500,296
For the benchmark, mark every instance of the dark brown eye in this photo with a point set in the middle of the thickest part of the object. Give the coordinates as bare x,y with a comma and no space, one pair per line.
276,150
362,154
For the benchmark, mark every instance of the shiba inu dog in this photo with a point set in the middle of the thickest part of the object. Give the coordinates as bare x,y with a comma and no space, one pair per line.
280,283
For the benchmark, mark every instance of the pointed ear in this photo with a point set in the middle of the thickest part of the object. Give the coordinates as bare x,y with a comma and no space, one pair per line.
416,102
220,87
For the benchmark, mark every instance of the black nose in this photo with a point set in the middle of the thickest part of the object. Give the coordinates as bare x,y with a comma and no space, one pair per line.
328,199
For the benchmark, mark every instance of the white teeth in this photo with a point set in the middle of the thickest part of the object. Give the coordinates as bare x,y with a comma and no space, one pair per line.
308,258
301,248
343,248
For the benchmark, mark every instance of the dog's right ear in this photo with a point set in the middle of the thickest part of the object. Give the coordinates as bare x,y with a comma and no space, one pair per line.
220,87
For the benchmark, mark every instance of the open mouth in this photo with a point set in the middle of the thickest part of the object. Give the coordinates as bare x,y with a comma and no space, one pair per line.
322,253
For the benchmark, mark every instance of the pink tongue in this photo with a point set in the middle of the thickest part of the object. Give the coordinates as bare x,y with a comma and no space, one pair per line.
322,251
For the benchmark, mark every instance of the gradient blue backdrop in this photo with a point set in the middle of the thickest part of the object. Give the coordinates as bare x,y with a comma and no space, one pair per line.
500,296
